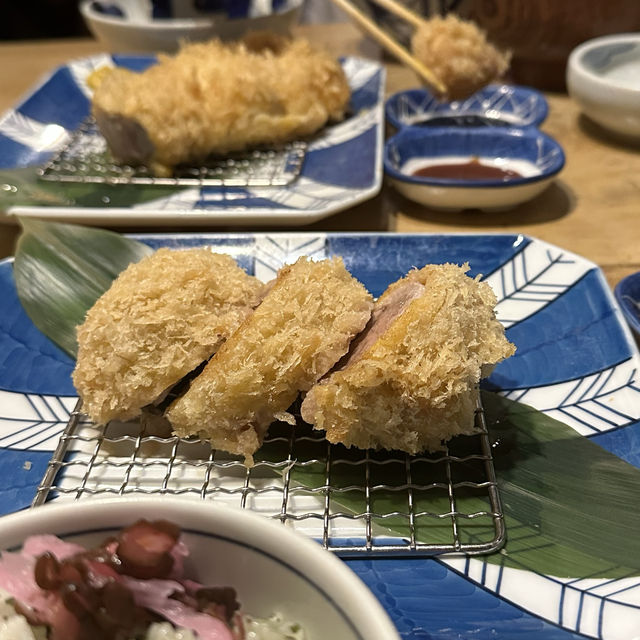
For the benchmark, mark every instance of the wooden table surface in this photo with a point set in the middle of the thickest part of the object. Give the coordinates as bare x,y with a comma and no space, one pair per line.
592,209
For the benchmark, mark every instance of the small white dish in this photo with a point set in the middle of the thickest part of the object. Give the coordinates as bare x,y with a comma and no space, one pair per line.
135,32
603,77
271,568
533,155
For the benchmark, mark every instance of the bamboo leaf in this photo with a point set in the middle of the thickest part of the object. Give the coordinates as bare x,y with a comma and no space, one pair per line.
60,270
572,509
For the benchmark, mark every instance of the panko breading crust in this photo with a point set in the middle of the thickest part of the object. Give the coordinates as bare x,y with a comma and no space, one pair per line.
415,385
215,98
159,320
458,52
300,330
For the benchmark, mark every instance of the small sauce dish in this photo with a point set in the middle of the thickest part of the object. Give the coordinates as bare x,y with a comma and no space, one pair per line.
494,105
487,168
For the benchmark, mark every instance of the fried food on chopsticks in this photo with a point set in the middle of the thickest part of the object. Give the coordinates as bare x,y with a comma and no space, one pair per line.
216,98
459,54
410,380
300,330
159,320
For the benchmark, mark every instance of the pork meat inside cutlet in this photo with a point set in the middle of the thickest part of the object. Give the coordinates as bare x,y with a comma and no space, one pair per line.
411,381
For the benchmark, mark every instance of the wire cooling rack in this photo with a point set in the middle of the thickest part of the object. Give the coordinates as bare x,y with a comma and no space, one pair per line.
353,501
86,159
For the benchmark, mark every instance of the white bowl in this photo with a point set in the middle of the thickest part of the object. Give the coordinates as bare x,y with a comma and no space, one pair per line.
603,76
454,199
271,568
124,34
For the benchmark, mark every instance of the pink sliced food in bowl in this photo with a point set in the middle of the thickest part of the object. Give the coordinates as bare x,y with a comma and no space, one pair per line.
66,587
288,583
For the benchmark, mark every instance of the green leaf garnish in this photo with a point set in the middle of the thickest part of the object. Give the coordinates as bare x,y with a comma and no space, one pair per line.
571,507
60,270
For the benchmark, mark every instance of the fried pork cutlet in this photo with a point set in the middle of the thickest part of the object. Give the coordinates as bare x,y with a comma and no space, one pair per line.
459,54
410,380
216,98
160,319
300,330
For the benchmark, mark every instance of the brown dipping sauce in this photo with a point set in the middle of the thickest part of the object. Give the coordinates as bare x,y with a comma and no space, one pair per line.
473,170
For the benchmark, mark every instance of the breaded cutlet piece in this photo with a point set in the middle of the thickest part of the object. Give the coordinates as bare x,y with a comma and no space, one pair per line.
460,55
159,320
410,380
300,330
217,97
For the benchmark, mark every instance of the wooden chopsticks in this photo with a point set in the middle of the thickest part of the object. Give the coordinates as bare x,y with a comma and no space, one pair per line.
386,41
393,6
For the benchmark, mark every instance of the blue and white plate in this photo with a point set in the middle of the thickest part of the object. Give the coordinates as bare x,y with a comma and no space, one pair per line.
627,293
342,167
535,156
494,105
576,361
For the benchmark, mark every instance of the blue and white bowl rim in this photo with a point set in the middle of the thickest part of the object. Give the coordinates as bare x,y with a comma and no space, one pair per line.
623,295
468,107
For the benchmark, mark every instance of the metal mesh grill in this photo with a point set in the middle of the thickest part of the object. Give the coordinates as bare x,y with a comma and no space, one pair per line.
353,501
86,159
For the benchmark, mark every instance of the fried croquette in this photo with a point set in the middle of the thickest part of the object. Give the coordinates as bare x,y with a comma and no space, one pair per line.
300,330
458,52
216,97
410,380
159,320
